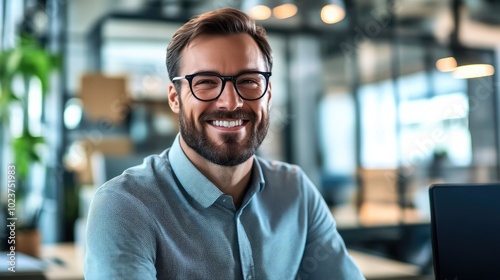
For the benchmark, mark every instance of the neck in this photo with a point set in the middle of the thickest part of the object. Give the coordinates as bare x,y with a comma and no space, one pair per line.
231,180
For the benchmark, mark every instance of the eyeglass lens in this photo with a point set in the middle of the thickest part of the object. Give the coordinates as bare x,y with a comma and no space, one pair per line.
249,86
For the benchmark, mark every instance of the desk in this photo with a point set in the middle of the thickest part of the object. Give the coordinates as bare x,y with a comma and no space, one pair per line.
66,263
375,267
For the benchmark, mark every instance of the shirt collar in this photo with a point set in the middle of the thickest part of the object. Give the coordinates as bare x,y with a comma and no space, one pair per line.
198,186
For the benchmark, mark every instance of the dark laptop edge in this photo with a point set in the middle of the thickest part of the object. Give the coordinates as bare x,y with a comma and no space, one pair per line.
434,236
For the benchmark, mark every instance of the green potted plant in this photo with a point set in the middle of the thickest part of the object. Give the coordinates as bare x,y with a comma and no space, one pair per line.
26,61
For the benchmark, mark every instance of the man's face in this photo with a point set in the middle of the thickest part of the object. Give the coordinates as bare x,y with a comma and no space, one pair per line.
228,130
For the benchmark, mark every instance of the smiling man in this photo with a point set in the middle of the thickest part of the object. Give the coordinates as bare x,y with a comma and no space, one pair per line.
208,207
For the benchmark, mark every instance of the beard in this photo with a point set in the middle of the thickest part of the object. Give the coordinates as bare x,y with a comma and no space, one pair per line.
232,152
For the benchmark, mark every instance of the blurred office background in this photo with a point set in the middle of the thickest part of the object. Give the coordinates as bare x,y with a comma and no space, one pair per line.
374,99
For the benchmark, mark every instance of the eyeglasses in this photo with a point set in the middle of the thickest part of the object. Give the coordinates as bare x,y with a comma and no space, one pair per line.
208,86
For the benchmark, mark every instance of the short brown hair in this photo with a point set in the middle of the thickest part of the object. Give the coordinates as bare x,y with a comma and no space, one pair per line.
225,21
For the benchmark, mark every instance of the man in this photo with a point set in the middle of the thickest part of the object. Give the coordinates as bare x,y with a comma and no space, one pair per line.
208,208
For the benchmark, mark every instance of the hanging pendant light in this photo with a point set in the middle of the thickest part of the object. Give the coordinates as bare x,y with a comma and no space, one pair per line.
472,64
446,64
256,9
333,12
465,63
285,9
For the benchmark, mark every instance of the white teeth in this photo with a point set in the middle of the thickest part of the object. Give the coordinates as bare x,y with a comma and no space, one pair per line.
227,123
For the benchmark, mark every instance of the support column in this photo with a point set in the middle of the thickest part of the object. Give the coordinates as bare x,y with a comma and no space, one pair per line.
306,88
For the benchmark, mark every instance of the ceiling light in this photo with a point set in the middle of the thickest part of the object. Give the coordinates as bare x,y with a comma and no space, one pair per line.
256,9
472,63
284,11
446,64
260,12
332,13
473,71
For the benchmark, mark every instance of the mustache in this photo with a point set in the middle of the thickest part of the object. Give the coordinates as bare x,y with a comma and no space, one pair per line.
223,114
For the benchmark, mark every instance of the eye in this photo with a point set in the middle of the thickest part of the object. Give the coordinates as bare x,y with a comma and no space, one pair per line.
250,81
206,81
247,81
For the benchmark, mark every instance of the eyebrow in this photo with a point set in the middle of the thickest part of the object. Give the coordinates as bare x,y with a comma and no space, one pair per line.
239,72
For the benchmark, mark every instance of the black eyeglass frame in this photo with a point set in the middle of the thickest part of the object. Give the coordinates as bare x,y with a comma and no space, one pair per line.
224,79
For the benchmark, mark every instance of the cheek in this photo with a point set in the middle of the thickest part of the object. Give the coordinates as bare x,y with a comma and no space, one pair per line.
262,108
193,108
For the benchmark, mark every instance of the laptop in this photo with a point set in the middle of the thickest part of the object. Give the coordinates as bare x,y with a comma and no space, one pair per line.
18,266
465,224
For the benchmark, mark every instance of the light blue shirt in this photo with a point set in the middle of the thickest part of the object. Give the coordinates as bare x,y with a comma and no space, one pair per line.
165,220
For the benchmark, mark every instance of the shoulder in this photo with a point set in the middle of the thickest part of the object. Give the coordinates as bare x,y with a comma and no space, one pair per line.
131,197
279,168
280,175
138,183
144,174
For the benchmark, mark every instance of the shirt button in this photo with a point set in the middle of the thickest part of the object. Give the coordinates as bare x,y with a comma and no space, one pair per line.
249,277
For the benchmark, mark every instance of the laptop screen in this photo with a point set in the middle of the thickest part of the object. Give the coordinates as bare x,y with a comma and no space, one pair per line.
466,230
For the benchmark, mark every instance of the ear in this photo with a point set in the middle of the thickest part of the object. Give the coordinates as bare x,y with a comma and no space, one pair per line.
173,99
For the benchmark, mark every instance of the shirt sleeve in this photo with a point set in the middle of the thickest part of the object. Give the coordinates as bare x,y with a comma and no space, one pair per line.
120,242
325,255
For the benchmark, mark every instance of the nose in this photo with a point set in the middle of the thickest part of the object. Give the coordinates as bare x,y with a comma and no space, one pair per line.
229,98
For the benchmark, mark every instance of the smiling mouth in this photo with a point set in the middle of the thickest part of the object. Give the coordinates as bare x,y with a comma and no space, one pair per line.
227,124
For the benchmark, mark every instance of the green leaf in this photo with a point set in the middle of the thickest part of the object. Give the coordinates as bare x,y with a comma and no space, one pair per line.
28,59
25,152
13,62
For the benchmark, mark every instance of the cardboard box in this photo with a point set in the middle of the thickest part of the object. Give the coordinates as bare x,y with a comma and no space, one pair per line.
105,97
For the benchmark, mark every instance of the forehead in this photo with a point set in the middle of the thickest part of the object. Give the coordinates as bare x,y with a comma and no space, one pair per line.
225,54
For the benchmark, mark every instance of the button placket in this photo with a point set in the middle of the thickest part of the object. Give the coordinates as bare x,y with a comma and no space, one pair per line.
246,255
